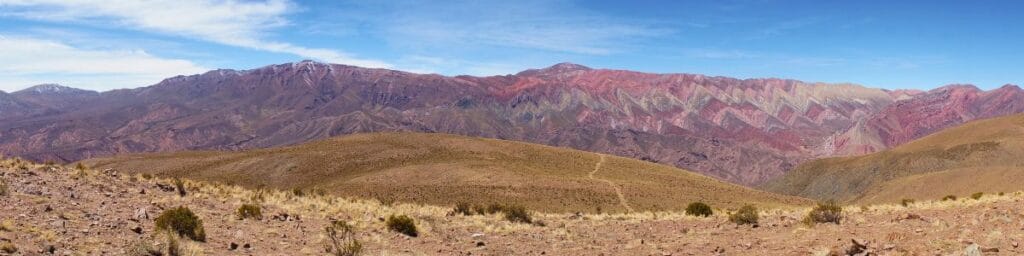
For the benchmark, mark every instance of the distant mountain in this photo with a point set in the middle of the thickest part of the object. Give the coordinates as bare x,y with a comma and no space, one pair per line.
447,169
744,131
980,156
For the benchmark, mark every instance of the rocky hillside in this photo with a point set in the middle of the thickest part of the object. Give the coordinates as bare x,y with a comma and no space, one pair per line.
744,131
981,156
53,210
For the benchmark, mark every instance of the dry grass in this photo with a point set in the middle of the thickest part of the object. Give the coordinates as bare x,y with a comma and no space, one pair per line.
444,169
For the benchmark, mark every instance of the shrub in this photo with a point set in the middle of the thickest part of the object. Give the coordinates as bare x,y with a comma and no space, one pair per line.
183,222
698,209
8,248
495,208
250,211
180,186
824,212
907,202
80,167
147,176
517,213
341,240
949,198
462,208
298,192
3,188
745,215
402,224
1001,193
977,196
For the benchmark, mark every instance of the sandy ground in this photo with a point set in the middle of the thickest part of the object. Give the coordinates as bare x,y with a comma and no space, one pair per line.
95,212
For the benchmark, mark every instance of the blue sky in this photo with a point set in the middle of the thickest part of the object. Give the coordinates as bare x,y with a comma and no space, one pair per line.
889,44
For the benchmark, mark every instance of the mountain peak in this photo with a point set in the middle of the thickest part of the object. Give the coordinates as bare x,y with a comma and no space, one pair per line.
51,89
559,68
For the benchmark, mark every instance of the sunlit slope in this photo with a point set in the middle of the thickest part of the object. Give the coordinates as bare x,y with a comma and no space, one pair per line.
980,156
445,169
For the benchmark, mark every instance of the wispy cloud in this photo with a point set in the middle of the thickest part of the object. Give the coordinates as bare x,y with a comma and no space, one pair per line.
29,61
556,26
235,23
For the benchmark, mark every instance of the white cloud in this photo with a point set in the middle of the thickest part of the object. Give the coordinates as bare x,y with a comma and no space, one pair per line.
28,61
235,23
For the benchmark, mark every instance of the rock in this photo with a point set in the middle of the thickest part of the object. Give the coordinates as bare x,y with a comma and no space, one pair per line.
480,244
477,235
137,230
989,249
972,250
859,247
232,246
141,214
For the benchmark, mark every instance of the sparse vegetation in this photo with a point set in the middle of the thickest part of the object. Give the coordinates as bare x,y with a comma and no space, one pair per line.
463,208
3,188
8,248
517,213
173,245
298,192
180,186
247,211
341,240
183,222
824,212
906,202
977,195
402,224
80,167
745,215
949,198
147,176
698,209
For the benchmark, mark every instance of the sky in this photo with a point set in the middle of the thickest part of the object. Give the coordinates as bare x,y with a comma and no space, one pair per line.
103,45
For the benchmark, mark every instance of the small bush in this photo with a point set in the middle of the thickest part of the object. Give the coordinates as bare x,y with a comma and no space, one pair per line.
907,202
147,176
463,208
977,196
495,208
3,188
80,167
517,213
8,248
180,186
298,192
824,212
745,215
1002,193
341,240
698,209
949,198
249,211
402,224
183,222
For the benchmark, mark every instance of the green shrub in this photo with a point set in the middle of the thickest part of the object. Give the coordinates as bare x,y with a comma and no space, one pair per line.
907,202
402,224
341,240
183,222
977,196
824,212
517,213
250,211
698,209
180,186
745,215
949,198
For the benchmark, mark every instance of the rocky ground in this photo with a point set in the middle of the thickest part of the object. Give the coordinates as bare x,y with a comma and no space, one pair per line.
64,211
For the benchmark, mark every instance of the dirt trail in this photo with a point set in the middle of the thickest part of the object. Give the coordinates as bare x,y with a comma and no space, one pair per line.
618,190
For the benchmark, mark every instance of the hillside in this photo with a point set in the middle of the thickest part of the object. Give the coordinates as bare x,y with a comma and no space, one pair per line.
695,122
980,156
445,169
57,210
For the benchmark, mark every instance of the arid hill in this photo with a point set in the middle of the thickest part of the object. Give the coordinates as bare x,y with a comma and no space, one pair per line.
55,210
981,156
445,169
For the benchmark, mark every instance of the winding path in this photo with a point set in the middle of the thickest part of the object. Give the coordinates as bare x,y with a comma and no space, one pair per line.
618,190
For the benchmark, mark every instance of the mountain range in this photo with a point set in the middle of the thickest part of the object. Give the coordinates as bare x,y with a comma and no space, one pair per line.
744,131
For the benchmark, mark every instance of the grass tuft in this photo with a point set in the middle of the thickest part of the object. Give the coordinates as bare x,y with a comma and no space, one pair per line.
247,211
341,240
824,212
977,196
949,198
